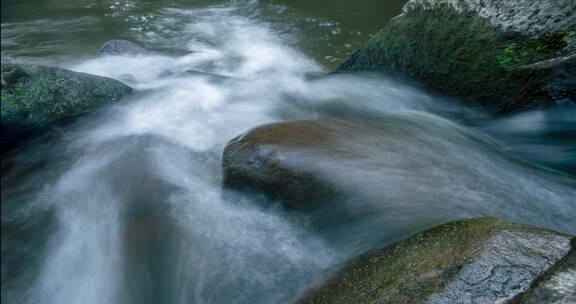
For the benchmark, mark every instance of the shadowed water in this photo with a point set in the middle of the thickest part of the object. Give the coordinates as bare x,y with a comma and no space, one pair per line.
125,205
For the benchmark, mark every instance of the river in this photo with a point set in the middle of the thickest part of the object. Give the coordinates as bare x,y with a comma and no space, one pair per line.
125,205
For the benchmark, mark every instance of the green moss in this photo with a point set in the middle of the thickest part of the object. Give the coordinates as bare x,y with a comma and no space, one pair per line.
433,44
13,99
411,270
516,54
511,56
551,42
462,54
35,97
38,96
14,109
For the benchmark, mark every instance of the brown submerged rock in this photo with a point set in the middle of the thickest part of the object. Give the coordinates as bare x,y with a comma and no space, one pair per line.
400,164
257,161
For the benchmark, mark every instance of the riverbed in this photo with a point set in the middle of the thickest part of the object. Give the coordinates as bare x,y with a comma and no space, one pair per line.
125,205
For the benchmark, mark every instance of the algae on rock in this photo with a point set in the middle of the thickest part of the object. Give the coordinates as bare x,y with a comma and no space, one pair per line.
35,97
476,52
484,260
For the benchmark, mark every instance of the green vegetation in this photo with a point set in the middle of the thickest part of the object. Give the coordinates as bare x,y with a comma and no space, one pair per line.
435,45
516,54
397,273
38,96
35,97
550,42
410,271
511,56
463,55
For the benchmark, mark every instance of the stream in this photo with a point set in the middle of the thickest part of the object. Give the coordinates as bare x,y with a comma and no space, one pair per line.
125,205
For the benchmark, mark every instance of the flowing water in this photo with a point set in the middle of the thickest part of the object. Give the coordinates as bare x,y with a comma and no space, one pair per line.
125,205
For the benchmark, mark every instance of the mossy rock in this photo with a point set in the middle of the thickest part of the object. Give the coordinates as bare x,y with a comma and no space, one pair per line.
482,54
35,98
483,260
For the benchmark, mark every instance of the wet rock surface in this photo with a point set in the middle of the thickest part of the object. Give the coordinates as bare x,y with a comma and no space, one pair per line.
483,260
558,286
121,47
36,97
257,161
526,16
402,163
506,55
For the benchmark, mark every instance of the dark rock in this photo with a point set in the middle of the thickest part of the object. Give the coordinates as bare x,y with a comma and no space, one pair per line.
35,98
300,162
557,286
505,55
256,161
387,167
563,84
483,260
393,176
121,47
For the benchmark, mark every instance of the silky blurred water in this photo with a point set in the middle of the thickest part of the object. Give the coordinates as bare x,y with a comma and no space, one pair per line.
125,205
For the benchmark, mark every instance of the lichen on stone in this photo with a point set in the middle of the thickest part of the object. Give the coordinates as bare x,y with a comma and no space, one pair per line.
34,97
452,263
455,47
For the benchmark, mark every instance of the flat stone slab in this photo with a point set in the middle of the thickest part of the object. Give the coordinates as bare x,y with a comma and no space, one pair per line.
483,260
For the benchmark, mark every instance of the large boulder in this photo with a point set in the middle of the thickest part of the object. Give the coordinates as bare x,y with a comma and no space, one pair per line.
121,48
259,161
37,97
557,286
506,55
388,173
483,260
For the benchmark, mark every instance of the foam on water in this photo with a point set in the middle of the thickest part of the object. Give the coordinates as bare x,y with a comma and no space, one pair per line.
135,189
151,166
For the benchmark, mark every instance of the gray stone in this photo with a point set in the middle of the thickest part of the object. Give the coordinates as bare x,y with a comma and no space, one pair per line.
558,287
506,55
36,97
483,260
526,16
121,47
505,266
